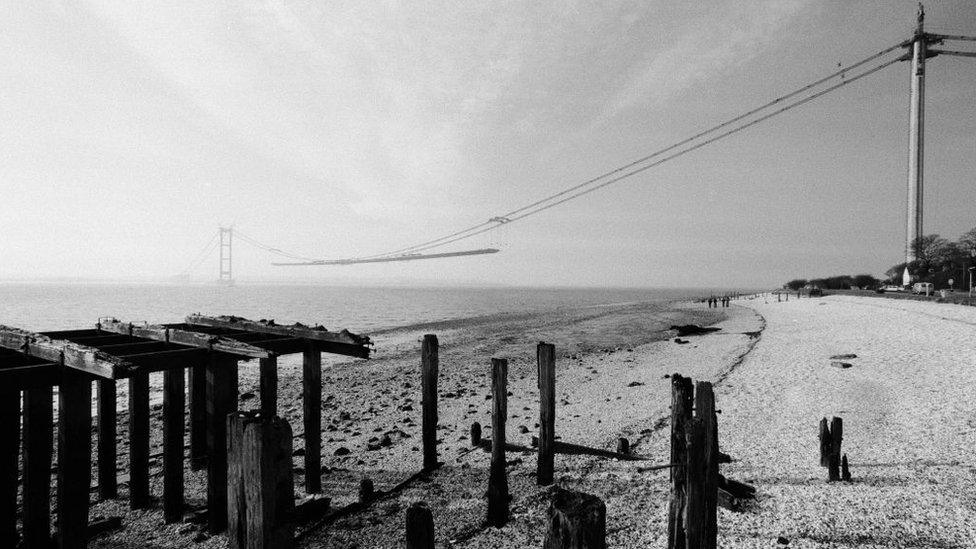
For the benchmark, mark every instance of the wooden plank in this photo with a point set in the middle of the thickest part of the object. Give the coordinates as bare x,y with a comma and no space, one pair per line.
74,462
174,404
705,411
198,416
317,333
139,441
184,337
824,442
312,418
682,394
836,438
107,451
221,400
268,382
498,477
546,363
268,492
38,450
9,451
72,355
429,367
40,374
236,504
695,507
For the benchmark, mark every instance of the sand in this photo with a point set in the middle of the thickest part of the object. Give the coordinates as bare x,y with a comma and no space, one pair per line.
906,403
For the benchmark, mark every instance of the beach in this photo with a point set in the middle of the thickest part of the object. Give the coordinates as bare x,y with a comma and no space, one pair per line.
905,401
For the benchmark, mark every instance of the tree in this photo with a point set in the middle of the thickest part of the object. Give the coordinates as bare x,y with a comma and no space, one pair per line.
866,281
796,284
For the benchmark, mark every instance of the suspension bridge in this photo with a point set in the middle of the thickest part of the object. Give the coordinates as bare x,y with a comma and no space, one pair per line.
917,49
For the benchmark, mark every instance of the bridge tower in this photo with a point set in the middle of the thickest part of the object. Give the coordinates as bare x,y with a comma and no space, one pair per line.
226,262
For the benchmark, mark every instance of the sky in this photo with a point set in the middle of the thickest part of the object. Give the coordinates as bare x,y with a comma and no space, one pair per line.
130,131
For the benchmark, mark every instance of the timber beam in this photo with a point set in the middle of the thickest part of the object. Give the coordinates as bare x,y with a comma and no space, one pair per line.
185,337
342,342
78,357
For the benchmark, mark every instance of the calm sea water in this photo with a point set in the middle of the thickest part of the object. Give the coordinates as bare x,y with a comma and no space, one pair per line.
49,306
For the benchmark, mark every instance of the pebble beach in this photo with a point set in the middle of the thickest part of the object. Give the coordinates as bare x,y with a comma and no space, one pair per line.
905,400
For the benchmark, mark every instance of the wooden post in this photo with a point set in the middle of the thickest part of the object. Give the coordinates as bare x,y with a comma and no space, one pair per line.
498,480
107,451
576,521
38,450
682,394
420,527
260,488
174,403
429,370
198,417
705,412
836,437
546,361
312,417
236,502
623,446
139,441
696,471
9,450
475,434
366,490
269,386
824,443
74,461
845,472
221,400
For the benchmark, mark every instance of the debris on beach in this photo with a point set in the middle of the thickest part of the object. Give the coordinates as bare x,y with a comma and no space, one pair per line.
842,365
847,356
693,329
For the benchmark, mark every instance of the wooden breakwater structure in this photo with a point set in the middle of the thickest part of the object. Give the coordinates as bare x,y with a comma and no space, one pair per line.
199,360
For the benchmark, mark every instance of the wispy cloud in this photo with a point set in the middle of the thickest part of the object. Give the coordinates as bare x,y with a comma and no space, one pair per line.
727,37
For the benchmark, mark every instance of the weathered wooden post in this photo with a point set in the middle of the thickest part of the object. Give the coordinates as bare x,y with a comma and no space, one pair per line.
845,472
38,451
139,440
268,383
260,485
546,360
836,437
576,521
623,446
366,490
174,403
221,400
696,467
420,527
74,460
824,443
107,452
198,417
9,450
475,434
429,370
498,479
705,412
682,394
312,416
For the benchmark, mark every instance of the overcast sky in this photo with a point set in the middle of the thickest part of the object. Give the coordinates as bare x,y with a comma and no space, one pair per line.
131,130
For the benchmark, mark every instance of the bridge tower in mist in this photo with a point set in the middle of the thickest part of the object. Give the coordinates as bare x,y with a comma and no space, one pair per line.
226,258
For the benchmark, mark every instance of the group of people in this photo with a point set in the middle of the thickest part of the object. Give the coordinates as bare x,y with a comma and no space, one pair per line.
713,301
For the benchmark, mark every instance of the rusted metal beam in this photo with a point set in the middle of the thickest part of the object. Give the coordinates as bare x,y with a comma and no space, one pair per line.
73,355
184,337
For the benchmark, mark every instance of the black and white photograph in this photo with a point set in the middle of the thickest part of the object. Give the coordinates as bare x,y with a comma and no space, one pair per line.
568,274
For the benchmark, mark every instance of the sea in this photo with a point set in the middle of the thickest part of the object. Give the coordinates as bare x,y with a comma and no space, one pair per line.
62,306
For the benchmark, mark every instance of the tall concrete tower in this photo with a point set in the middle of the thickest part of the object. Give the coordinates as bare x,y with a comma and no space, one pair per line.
915,139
